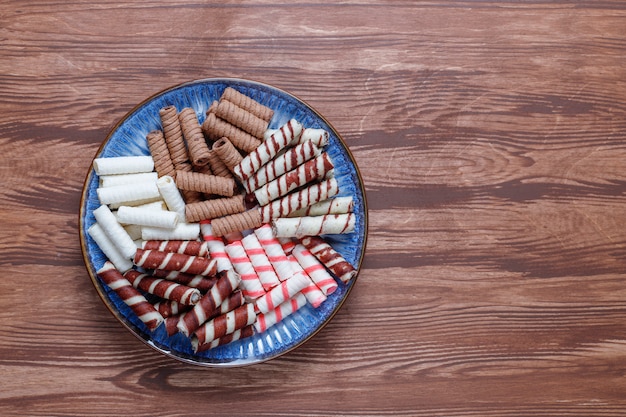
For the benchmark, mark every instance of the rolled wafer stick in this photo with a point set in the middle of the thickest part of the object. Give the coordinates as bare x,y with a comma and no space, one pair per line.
227,152
314,169
201,282
224,324
274,252
192,132
267,150
204,183
123,179
216,246
247,103
171,195
169,308
314,225
229,338
260,262
298,199
236,222
130,296
171,322
188,195
168,290
182,231
224,286
114,231
241,118
269,319
109,249
287,243
218,167
123,165
129,194
234,300
173,135
328,256
250,283
315,269
286,290
283,163
215,207
163,164
337,205
316,135
147,217
313,294
188,247
154,259
215,128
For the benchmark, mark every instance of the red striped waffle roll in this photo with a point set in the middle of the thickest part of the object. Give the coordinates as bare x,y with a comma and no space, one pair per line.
269,319
315,269
330,224
188,247
169,308
155,259
224,324
299,199
312,170
260,262
337,205
171,323
286,290
313,294
201,282
250,283
232,337
236,299
222,289
216,246
268,149
332,259
168,290
274,252
130,295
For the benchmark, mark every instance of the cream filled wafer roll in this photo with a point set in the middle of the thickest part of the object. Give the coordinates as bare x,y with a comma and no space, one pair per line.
315,269
182,231
154,259
328,256
188,247
215,128
227,153
299,199
201,282
269,319
267,150
205,183
250,283
337,205
147,217
129,194
123,179
260,262
173,134
215,207
123,165
236,222
247,103
316,135
283,163
314,169
223,288
130,295
224,324
168,290
192,132
286,290
163,164
229,338
314,225
107,247
114,231
171,195
313,294
216,246
241,118
274,252
169,308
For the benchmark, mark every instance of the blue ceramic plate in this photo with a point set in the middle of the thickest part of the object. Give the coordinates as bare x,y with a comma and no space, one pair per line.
128,137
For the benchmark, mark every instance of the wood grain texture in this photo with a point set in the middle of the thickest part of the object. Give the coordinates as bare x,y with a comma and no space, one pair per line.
491,138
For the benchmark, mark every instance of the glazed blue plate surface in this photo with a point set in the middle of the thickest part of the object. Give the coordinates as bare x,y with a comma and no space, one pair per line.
128,137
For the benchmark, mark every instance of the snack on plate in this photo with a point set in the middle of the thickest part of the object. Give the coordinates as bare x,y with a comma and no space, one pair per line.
129,194
163,164
314,225
224,324
299,199
109,249
286,290
236,222
173,135
332,259
318,136
182,231
215,128
231,337
147,217
269,319
251,284
154,259
337,205
192,132
247,103
123,165
201,282
167,290
205,183
123,179
217,165
216,207
227,153
313,294
114,231
260,262
315,270
188,247
171,195
241,118
216,246
168,308
274,252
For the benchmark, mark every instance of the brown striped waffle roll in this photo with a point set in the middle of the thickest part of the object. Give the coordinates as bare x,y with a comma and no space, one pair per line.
222,289
188,247
130,295
315,135
171,322
168,290
154,259
315,269
173,135
313,294
215,128
231,337
201,282
215,207
236,222
299,199
163,164
169,308
328,256
260,261
205,183
192,132
247,103
222,325
269,319
241,118
227,152
218,167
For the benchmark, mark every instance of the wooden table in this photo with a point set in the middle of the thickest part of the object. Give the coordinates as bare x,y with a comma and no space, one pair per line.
491,138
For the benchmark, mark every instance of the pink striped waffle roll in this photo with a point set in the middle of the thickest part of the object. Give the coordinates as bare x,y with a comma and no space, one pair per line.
216,246
315,269
224,324
313,294
260,262
168,290
234,300
130,295
169,308
222,289
269,319
328,256
200,282
287,243
278,295
274,252
154,259
188,247
267,150
231,337
250,283
299,199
